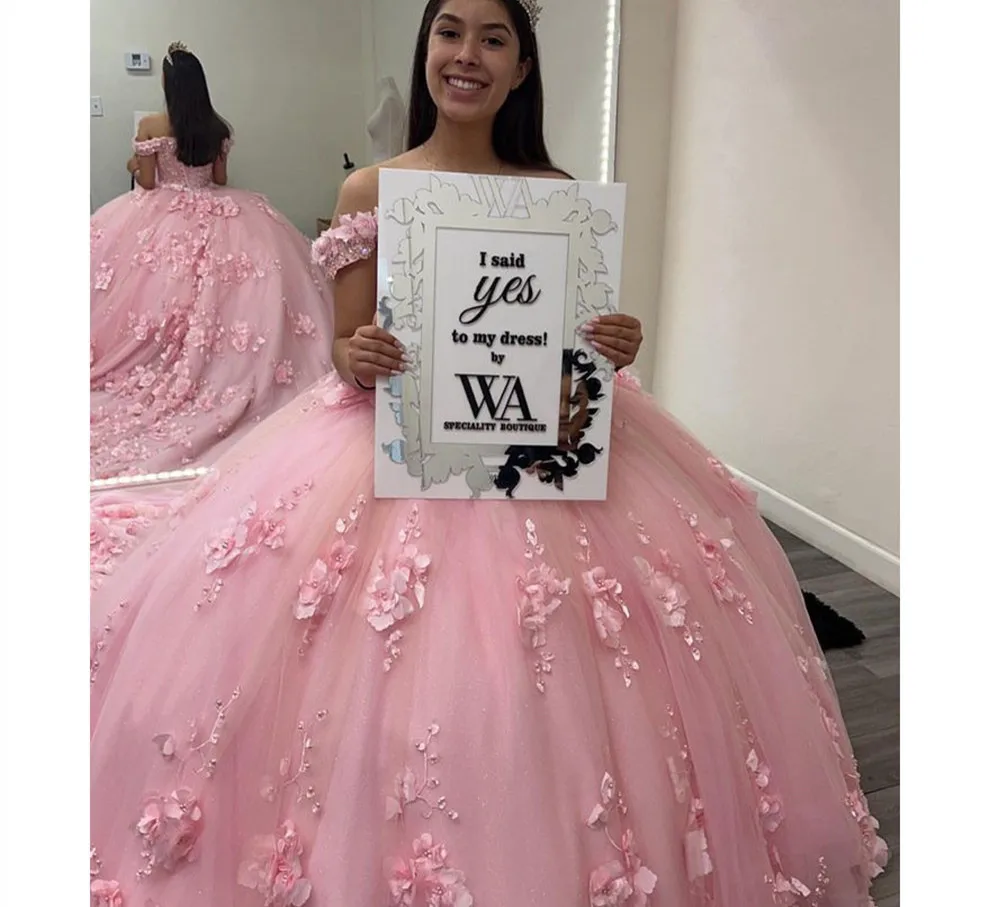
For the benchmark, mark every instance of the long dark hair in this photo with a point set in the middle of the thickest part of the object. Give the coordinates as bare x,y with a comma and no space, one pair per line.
198,129
518,126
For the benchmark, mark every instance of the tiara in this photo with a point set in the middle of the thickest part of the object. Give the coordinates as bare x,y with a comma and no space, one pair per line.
533,9
173,47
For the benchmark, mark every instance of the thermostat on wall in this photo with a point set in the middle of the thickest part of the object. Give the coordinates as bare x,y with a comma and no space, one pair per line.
137,61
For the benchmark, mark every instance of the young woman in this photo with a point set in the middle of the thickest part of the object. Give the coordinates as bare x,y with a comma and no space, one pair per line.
303,695
206,311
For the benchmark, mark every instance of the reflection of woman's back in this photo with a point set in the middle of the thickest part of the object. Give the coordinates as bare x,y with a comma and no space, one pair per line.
206,312
172,172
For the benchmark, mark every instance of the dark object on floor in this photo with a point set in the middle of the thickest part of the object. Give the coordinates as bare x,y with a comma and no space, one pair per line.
833,631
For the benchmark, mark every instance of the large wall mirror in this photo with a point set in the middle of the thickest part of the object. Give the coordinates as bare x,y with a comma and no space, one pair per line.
311,89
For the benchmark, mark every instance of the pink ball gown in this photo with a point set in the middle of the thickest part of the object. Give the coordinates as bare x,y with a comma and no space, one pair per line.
207,314
303,695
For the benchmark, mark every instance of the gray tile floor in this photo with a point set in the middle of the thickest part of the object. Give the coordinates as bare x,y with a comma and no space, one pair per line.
868,682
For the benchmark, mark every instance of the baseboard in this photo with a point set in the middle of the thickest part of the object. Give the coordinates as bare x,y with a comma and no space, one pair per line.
855,552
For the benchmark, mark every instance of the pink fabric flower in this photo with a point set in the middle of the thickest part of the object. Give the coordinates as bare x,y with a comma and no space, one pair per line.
224,547
170,827
622,883
426,879
338,395
696,855
182,387
140,326
409,575
745,494
609,623
341,555
875,848
394,596
598,583
318,583
99,532
771,812
240,336
790,891
353,239
304,326
284,372
404,794
199,334
608,800
710,549
540,590
605,592
105,893
273,868
610,886
667,595
385,606
104,275
759,770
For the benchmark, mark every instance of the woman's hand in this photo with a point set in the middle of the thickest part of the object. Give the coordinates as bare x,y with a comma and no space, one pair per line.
372,351
617,337
133,165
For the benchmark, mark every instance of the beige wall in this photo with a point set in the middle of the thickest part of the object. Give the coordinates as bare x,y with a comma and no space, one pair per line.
778,323
288,75
645,94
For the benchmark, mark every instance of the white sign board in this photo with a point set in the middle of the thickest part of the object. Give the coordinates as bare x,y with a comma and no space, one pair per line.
486,281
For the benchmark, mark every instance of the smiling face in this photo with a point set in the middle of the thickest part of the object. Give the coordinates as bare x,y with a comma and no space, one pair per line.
472,61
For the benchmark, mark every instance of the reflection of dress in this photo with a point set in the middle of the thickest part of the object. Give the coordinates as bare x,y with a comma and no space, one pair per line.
303,694
206,316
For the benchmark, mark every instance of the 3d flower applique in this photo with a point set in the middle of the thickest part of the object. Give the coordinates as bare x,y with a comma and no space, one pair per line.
625,881
426,878
608,608
272,866
541,590
397,591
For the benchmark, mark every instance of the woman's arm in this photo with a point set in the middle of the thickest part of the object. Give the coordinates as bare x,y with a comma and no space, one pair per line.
361,351
146,163
220,165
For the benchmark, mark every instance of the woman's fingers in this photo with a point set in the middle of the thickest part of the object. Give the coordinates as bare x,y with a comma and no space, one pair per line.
373,332
378,347
620,355
617,337
365,361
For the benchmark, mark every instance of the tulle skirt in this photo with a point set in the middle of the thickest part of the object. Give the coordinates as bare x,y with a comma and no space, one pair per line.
304,695
206,316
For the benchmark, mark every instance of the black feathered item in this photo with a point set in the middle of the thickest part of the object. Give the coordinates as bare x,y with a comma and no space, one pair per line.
832,630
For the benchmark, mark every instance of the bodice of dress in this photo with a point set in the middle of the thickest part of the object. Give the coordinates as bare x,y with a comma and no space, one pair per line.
353,239
171,171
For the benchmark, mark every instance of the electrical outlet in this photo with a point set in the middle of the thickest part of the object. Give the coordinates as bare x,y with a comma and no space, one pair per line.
96,106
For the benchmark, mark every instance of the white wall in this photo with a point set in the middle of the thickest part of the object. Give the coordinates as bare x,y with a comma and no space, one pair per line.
288,75
645,97
572,51
779,317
